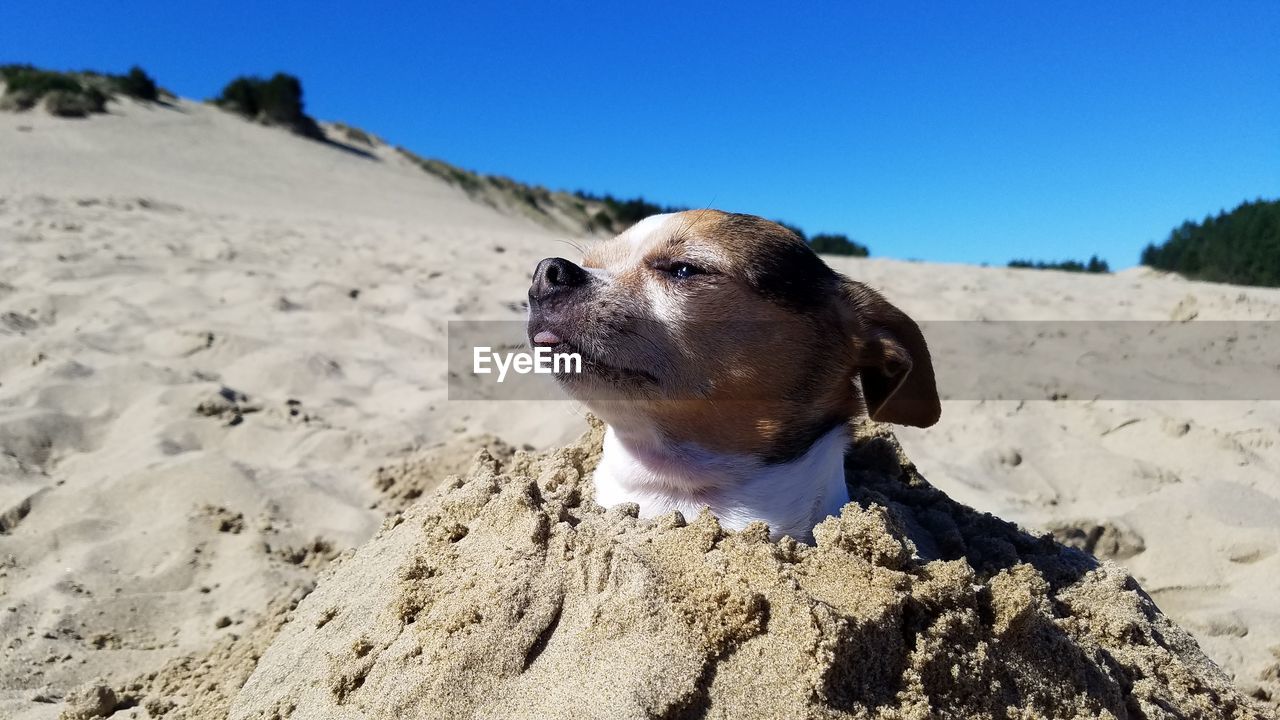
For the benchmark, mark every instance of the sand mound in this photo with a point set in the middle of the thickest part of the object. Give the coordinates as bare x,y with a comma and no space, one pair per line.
200,687
511,594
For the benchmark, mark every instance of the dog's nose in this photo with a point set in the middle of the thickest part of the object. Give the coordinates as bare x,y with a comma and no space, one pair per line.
555,275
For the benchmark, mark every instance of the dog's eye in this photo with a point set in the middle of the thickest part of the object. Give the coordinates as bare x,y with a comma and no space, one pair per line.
682,270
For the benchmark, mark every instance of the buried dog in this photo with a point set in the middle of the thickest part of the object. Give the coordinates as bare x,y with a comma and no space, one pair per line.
727,360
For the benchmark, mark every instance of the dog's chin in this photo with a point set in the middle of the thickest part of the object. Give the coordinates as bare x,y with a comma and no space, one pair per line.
599,378
594,387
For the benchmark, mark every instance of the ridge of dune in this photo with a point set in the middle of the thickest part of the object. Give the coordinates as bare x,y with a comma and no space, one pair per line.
200,156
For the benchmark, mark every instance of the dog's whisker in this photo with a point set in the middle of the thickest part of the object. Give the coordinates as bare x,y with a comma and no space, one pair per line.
578,248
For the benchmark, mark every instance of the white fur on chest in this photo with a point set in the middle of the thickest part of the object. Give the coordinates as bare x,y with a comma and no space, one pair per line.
791,497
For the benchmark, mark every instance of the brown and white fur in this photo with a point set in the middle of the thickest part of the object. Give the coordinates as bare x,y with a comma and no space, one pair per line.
727,360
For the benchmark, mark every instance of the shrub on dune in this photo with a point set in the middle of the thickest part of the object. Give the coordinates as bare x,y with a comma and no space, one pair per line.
837,244
73,103
1094,265
24,85
138,84
273,101
829,243
603,221
623,213
239,96
71,94
356,135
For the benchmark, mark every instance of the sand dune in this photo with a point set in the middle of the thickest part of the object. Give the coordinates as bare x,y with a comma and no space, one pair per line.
213,334
205,319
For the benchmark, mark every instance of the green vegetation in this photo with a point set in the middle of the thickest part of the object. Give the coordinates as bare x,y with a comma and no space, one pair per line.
1242,246
25,79
603,220
274,101
471,183
579,210
74,103
71,94
618,215
829,243
356,135
137,83
837,244
551,208
1094,265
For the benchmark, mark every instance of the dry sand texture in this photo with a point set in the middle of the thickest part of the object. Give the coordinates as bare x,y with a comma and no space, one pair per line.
510,595
213,334
1186,495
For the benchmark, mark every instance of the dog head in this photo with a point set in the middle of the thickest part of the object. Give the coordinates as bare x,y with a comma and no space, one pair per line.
728,332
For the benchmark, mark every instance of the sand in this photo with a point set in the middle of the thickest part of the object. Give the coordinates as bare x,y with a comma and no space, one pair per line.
509,594
222,365
212,334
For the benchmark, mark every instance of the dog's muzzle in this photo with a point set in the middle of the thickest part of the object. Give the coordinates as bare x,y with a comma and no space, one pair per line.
554,280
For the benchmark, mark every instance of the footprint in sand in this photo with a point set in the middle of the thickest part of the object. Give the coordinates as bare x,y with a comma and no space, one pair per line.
1248,552
1106,539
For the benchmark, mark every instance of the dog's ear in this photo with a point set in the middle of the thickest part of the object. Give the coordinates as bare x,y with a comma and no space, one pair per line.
891,357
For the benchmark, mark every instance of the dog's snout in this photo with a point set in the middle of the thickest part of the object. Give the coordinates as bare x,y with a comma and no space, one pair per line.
555,275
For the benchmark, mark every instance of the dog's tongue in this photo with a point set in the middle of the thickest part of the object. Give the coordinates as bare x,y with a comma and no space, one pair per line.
546,337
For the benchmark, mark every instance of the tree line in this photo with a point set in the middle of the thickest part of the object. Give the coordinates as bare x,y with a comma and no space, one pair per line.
1240,247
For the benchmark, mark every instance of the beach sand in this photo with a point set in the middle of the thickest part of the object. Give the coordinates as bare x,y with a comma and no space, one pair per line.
222,364
909,605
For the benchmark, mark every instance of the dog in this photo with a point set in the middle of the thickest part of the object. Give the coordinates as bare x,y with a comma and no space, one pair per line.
727,361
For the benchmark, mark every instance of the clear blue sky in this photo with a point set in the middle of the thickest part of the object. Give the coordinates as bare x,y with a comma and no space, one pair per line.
970,132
